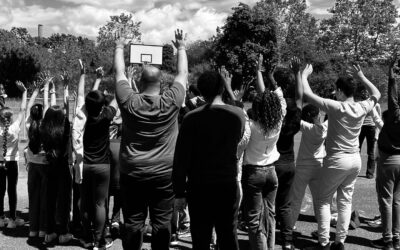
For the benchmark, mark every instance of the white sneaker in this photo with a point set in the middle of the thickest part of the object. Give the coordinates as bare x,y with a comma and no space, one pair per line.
49,238
65,238
3,221
42,234
33,233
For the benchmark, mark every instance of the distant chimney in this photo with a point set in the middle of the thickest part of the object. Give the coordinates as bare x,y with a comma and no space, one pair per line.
40,31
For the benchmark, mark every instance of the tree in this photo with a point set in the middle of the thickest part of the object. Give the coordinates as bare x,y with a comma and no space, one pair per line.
168,58
357,28
246,33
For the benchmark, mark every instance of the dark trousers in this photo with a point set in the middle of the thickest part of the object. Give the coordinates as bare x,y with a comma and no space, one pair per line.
59,187
285,170
260,185
140,195
8,181
115,189
94,193
37,181
388,187
368,132
214,205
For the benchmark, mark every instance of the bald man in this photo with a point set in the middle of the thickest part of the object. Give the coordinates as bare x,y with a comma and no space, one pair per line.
149,132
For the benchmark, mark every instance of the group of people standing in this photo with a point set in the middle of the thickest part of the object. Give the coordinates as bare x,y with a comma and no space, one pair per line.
219,160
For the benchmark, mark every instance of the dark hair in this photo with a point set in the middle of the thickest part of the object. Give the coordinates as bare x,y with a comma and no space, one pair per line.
210,84
309,112
94,102
347,85
267,111
36,116
52,132
193,88
5,117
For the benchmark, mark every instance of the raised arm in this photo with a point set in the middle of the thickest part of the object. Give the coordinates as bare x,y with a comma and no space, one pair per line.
270,68
373,91
295,66
308,94
81,86
99,77
130,72
53,100
228,82
32,100
260,86
180,45
21,114
66,79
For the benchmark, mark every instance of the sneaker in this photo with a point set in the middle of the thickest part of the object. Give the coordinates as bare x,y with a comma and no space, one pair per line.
33,234
288,246
375,223
109,242
86,244
337,246
318,246
174,240
3,221
50,238
42,234
115,225
381,244
65,238
184,233
15,223
396,243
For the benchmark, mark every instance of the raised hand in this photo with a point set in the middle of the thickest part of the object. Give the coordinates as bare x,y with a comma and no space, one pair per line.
65,78
99,72
82,66
130,72
295,65
180,40
355,71
45,77
20,86
121,38
307,70
270,68
259,63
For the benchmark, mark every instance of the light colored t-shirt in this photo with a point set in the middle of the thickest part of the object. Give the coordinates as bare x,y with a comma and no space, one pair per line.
242,145
261,149
312,148
12,153
344,124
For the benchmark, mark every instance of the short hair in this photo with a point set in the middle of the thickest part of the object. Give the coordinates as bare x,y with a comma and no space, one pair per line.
309,112
347,85
210,84
94,102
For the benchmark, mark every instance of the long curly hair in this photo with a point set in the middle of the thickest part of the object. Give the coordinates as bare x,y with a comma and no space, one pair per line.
267,111
6,115
36,116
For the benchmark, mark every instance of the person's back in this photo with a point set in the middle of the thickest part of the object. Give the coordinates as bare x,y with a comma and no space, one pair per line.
216,131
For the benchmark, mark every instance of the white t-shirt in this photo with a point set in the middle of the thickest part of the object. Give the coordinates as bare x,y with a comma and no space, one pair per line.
344,124
261,149
312,148
12,142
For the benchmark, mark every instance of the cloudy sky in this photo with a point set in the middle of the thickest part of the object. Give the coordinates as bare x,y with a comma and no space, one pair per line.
159,17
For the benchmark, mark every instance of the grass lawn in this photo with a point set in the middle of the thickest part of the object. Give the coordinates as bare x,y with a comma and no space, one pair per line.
364,200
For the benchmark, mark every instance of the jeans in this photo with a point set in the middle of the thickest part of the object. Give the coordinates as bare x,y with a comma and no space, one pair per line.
94,193
285,170
58,196
140,195
8,181
368,132
37,181
304,176
115,189
260,186
339,173
388,187
214,204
